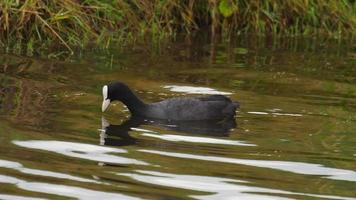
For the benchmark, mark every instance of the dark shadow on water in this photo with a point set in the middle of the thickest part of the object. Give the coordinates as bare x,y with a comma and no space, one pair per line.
118,135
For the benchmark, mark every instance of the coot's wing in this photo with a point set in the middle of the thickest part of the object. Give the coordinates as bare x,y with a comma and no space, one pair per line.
198,108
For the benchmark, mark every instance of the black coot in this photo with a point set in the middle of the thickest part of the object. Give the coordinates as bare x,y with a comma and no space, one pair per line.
211,107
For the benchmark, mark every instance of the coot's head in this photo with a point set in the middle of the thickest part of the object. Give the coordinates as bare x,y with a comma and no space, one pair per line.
116,91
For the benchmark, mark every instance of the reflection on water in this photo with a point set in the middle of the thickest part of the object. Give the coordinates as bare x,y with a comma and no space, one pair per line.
118,135
61,190
201,127
295,167
79,150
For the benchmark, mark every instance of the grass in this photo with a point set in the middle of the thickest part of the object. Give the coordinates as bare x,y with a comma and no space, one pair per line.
34,25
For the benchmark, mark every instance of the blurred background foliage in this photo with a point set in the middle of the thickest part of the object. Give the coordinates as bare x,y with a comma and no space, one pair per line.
33,25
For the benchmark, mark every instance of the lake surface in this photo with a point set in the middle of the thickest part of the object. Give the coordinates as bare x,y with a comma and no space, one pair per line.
294,136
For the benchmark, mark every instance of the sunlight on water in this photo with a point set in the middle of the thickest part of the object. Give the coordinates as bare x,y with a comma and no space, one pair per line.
295,167
79,150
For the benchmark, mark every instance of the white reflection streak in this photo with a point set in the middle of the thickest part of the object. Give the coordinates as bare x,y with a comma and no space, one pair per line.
194,90
142,130
295,167
62,190
222,188
258,113
181,138
79,150
275,113
19,167
287,114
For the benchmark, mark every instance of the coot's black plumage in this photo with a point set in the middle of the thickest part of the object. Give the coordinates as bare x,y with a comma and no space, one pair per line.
180,108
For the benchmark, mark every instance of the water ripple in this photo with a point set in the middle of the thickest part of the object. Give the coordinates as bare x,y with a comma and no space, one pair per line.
181,138
222,188
12,197
19,167
295,167
79,150
62,190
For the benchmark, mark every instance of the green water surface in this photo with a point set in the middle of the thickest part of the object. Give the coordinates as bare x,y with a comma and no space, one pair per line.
294,136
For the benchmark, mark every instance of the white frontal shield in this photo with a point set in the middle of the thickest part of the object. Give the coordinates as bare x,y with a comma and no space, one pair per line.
106,102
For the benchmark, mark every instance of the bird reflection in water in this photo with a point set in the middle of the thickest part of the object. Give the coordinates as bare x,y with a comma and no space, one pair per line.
118,135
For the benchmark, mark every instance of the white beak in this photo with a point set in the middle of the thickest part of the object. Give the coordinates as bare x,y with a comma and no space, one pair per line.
105,105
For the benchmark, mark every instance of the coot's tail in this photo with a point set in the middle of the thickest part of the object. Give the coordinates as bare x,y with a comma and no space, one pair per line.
230,110
237,104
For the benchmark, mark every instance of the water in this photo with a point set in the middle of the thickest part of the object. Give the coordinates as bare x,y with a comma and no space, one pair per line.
293,138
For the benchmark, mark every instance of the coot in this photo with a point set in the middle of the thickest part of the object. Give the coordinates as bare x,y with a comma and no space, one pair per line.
211,107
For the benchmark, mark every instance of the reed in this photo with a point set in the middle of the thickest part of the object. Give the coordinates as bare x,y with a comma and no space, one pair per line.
34,25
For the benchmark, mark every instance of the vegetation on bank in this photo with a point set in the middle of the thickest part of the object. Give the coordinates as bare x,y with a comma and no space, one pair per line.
42,24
